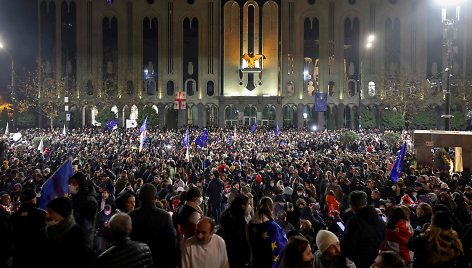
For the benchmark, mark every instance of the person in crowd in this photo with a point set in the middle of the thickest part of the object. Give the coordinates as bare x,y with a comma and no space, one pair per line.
281,220
388,259
329,253
27,223
438,245
102,238
214,192
126,201
234,231
62,242
124,252
84,204
266,238
297,253
189,214
105,199
397,234
6,233
424,212
364,231
153,226
205,248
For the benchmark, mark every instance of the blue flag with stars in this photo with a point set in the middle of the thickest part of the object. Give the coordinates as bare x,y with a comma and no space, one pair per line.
253,128
277,131
267,235
57,185
112,124
398,166
202,139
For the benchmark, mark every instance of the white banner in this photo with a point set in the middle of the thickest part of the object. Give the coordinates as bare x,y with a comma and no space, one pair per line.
131,123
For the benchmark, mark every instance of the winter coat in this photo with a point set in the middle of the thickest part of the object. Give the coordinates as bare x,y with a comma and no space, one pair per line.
362,237
396,239
234,232
153,226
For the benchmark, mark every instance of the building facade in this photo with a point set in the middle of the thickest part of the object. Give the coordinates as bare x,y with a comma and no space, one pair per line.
127,54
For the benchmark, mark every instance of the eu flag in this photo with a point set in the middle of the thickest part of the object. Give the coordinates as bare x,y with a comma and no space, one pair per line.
277,131
112,124
253,128
144,125
398,166
57,185
321,102
269,241
202,139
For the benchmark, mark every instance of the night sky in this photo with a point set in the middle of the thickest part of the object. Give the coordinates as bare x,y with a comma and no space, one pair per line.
18,33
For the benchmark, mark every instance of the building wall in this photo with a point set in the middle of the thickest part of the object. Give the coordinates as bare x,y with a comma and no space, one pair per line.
224,36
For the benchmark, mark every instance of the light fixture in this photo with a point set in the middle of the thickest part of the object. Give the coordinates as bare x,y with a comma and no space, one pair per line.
371,38
450,2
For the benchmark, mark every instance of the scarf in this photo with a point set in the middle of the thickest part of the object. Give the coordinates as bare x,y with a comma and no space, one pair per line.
442,245
55,233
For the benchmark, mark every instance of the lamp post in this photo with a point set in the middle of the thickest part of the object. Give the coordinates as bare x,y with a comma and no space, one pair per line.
368,45
12,85
449,35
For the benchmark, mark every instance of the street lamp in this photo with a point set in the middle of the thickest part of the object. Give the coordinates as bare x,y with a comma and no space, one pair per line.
12,85
449,35
368,45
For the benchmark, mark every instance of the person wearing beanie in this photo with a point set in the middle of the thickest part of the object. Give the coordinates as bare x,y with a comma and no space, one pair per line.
329,252
153,226
27,222
62,242
364,231
438,245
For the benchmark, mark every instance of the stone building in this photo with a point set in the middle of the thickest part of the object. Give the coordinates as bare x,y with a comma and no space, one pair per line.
127,54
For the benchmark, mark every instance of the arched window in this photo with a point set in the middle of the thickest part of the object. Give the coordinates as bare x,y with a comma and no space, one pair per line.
371,88
268,115
331,88
231,116
134,113
170,88
210,88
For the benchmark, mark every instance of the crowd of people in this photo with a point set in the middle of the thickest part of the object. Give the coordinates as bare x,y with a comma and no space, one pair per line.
244,199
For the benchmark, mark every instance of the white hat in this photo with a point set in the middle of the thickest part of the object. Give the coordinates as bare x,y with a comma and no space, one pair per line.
324,239
180,189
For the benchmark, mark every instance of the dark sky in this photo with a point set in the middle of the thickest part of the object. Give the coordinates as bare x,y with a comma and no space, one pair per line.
18,33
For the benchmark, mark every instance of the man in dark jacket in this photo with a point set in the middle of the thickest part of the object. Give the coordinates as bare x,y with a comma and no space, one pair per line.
124,252
62,243
27,222
84,204
153,226
215,195
364,232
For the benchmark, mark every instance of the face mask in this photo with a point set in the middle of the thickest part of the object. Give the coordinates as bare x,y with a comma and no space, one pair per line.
73,189
200,200
305,195
272,184
107,212
299,193
52,222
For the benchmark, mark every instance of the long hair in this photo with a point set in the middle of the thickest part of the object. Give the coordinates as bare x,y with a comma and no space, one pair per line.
236,205
293,252
395,215
265,208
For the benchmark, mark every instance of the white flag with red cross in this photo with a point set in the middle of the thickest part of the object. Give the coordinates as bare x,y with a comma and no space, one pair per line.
180,101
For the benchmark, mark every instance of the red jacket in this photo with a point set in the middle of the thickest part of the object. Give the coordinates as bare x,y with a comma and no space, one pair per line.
396,239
